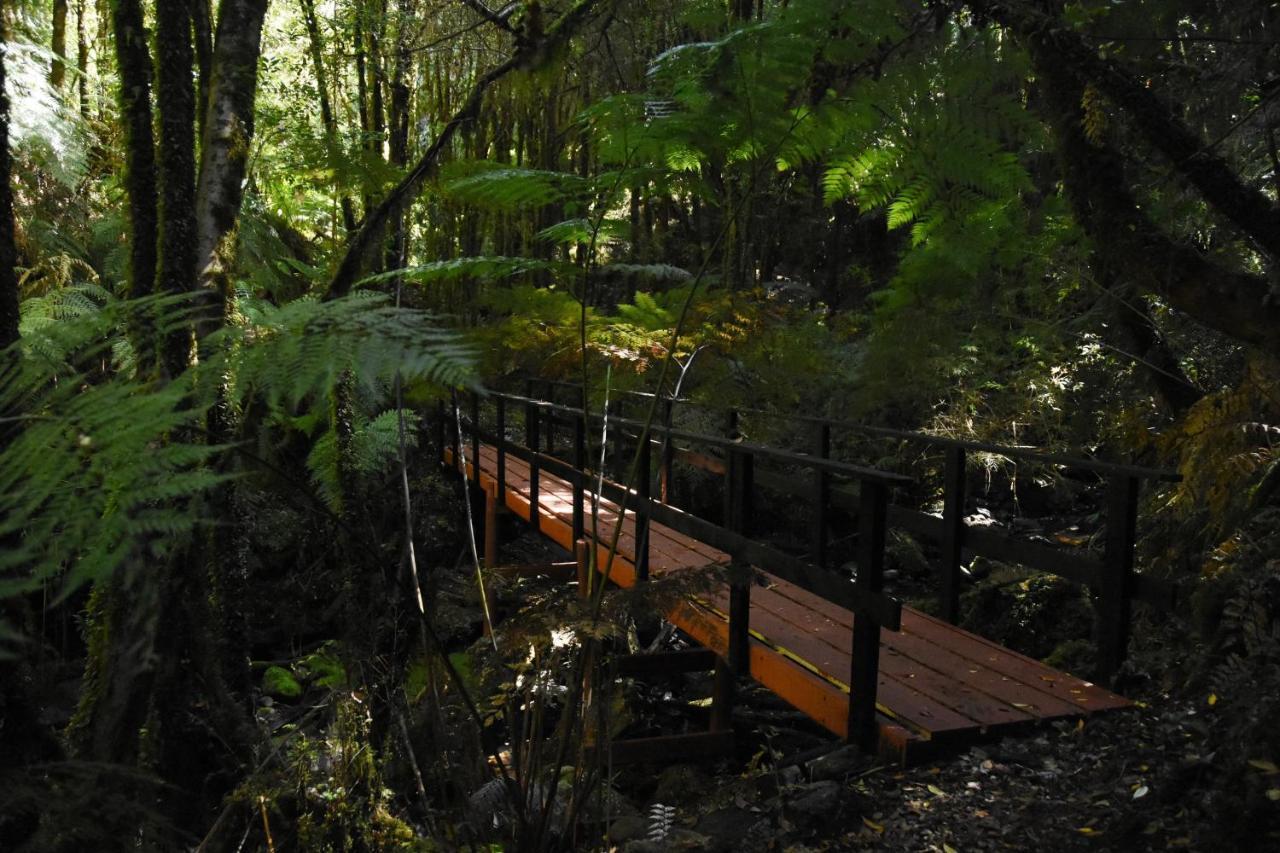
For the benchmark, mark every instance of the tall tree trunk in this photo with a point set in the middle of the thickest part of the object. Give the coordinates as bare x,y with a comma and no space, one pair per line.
82,58
101,45
377,82
399,121
202,31
58,46
134,63
176,104
8,251
327,117
228,135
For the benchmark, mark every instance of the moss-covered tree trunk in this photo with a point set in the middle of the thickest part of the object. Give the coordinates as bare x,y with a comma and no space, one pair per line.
134,63
176,103
202,31
224,155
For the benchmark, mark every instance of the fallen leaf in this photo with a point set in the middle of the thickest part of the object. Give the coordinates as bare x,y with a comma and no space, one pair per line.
1267,767
1140,792
936,791
947,848
1213,699
1087,830
873,826
1273,794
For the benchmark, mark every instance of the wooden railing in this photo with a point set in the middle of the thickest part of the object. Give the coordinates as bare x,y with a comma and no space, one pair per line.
1111,576
473,423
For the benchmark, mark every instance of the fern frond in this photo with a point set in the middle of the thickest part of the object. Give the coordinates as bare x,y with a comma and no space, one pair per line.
484,268
514,189
580,230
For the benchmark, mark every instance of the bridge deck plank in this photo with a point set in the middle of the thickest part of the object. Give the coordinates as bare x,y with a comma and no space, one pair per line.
936,682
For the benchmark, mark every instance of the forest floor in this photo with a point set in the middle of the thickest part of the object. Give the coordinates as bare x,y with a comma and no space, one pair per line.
1118,781
1115,783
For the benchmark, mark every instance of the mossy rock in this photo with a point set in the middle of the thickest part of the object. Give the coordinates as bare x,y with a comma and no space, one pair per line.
279,682
1032,616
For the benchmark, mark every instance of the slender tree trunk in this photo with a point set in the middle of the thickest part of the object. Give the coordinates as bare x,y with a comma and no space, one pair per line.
58,67
202,31
224,159
102,13
176,104
8,251
82,58
134,63
327,117
362,73
399,120
377,80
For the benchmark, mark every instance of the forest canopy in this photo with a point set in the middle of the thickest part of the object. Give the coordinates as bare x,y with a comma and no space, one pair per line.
249,250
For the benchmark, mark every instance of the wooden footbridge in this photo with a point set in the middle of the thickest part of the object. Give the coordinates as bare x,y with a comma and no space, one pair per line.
866,668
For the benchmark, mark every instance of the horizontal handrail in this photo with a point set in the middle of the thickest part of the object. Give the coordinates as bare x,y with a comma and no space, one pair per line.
817,463
1098,466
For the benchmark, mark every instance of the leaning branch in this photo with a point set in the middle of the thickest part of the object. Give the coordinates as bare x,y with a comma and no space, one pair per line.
369,235
1133,248
1244,206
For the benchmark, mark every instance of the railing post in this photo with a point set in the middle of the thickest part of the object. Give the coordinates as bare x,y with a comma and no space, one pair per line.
643,489
440,430
821,493
668,448
531,416
456,427
475,436
579,475
616,411
864,673
953,500
739,490
582,553
1115,586
739,618
500,416
551,419
491,499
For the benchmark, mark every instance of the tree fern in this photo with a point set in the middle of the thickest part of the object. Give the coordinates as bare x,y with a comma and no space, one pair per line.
107,471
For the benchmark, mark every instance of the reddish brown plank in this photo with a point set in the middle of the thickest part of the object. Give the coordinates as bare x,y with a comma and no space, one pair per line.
980,654
926,700
1007,700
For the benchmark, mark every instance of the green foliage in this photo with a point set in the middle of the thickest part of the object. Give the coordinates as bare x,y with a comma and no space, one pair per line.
647,314
485,268
374,444
503,188
109,470
279,682
581,231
